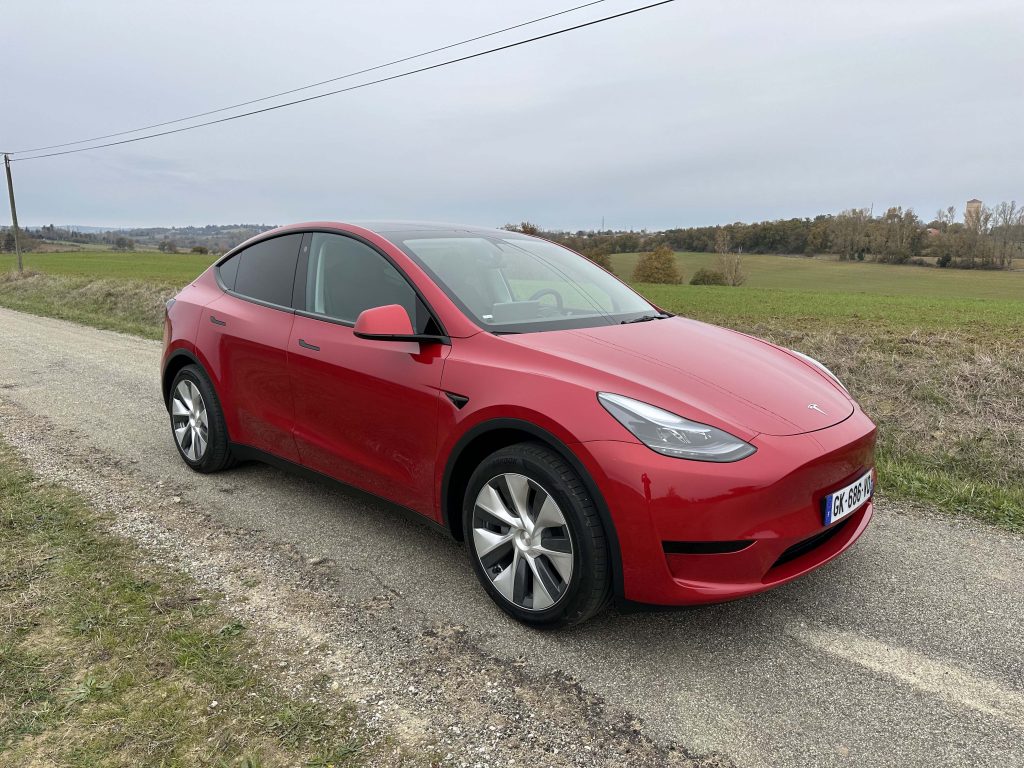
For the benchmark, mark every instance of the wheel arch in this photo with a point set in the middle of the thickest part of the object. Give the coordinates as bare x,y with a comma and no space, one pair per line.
485,438
177,360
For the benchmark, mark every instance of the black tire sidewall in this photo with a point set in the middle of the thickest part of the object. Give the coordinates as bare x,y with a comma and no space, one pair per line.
215,456
547,468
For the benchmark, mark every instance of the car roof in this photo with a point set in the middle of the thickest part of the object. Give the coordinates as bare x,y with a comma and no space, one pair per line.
385,228
391,228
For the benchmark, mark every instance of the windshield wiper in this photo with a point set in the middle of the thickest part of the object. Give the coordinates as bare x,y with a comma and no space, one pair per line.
643,319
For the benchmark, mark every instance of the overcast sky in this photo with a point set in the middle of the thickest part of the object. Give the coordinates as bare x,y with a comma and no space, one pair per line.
691,113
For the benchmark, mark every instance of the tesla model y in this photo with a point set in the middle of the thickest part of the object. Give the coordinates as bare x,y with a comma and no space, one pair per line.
584,444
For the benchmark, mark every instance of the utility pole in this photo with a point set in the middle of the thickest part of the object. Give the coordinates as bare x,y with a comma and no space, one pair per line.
14,210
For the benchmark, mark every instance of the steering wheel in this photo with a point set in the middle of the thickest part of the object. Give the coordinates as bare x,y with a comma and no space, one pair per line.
559,303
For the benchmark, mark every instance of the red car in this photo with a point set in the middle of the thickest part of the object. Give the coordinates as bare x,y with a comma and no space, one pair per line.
585,444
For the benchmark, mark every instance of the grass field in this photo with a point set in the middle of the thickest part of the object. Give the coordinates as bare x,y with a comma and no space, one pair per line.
829,275
177,268
935,356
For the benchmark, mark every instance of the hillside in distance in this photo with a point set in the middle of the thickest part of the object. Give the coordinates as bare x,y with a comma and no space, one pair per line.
216,238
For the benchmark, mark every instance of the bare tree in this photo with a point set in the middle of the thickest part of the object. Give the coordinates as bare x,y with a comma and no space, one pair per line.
731,266
1006,216
978,220
977,246
1018,227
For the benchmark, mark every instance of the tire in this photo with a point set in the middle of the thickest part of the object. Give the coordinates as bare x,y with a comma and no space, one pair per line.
211,451
523,564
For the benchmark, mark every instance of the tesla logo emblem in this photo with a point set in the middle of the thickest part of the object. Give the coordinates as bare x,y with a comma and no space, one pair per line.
815,407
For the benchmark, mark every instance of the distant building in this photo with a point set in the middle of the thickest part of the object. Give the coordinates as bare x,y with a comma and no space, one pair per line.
973,208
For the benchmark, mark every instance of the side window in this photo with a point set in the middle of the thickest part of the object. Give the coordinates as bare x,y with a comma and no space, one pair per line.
345,277
229,271
266,271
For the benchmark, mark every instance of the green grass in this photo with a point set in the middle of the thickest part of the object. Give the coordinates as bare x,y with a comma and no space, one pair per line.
177,268
107,659
829,275
867,312
831,294
946,488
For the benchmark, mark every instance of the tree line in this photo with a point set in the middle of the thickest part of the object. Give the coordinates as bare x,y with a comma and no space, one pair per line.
983,238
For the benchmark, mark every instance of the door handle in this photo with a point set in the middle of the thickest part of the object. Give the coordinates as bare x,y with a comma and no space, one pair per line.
215,321
305,345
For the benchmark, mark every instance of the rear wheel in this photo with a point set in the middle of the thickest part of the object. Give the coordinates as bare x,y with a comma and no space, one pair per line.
197,421
534,537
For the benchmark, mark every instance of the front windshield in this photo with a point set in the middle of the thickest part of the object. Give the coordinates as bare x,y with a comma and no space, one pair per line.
517,284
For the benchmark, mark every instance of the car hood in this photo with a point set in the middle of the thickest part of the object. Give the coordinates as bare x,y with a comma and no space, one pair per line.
703,372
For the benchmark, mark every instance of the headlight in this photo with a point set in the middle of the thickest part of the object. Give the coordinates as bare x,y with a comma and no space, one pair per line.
673,435
821,368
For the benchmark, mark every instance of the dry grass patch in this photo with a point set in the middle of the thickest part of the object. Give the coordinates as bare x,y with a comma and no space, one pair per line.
950,411
114,304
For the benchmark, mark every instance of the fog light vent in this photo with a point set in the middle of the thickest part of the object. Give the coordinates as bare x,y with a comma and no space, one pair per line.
703,547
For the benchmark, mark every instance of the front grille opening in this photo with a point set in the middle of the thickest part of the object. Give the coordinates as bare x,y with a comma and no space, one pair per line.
703,547
815,541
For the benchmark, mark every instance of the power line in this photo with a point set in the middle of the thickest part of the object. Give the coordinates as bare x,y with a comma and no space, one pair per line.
311,85
353,87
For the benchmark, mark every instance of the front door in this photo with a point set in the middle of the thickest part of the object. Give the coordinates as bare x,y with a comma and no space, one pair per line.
365,411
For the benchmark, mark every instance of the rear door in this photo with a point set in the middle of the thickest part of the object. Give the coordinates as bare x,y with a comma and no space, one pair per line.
245,335
365,411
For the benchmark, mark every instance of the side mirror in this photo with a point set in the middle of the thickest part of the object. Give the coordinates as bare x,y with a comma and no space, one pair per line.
391,323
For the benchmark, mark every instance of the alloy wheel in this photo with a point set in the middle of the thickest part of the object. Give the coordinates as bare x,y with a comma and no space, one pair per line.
189,420
522,541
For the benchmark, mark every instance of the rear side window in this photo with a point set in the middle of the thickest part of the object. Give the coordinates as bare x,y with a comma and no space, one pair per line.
266,271
229,271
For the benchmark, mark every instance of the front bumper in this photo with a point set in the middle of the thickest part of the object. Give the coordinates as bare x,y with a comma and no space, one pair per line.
766,509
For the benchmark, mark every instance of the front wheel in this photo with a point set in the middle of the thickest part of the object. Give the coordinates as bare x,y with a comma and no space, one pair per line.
535,538
197,421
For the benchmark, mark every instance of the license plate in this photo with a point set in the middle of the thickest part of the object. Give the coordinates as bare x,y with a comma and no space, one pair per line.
848,500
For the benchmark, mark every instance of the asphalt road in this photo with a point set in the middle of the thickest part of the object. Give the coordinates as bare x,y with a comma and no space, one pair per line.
908,650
